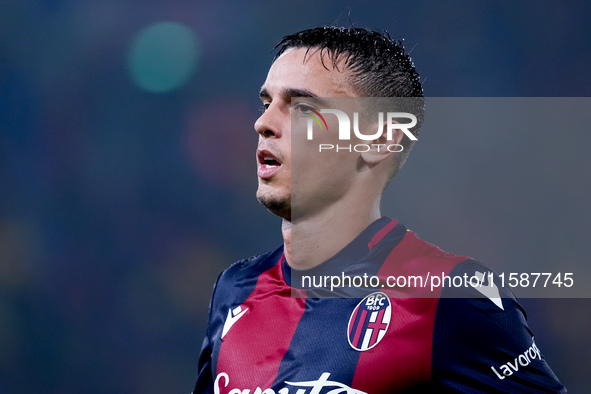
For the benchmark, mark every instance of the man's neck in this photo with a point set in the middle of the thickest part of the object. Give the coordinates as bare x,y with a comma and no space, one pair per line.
310,241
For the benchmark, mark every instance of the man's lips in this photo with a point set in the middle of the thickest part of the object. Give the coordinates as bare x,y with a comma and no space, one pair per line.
268,163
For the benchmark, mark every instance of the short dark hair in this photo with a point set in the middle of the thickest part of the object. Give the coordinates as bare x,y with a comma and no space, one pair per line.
380,65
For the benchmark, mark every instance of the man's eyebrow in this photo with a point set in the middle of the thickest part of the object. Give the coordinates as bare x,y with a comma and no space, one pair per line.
294,92
288,92
264,93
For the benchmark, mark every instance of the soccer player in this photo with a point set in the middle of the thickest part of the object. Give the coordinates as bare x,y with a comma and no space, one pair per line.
270,333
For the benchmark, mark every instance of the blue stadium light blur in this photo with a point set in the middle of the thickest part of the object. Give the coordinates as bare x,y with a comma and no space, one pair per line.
163,57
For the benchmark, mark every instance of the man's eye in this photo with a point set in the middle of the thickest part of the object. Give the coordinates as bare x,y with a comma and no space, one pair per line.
304,108
263,108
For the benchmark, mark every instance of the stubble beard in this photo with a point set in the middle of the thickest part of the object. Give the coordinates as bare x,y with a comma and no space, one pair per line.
280,206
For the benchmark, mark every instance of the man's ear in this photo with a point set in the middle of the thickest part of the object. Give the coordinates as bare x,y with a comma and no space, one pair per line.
382,148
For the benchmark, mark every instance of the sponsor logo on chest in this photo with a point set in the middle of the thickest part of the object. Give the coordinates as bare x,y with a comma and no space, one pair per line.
314,386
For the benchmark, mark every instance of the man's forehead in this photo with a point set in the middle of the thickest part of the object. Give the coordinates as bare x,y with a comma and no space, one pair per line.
321,54
307,72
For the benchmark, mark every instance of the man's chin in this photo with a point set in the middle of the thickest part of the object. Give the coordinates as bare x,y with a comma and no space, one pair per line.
276,205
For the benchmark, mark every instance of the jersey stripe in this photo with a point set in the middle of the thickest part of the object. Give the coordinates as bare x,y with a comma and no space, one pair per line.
253,348
359,329
353,320
407,347
382,233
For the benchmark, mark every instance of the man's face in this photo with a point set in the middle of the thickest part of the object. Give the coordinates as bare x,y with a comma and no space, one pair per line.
292,76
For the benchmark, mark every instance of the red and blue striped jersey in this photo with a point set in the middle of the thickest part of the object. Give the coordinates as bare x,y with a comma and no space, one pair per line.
269,334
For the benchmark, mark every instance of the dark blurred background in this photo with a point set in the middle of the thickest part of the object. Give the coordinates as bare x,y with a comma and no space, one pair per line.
127,171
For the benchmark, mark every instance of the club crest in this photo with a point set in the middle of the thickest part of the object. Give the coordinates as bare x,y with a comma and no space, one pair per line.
369,321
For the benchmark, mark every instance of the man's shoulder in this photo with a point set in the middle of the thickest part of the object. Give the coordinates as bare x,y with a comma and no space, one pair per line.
251,267
413,255
237,282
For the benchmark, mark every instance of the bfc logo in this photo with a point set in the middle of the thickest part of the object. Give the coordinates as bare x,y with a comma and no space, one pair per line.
369,321
393,123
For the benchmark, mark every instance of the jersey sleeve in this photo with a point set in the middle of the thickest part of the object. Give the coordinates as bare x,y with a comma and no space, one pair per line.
481,340
204,383
232,287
